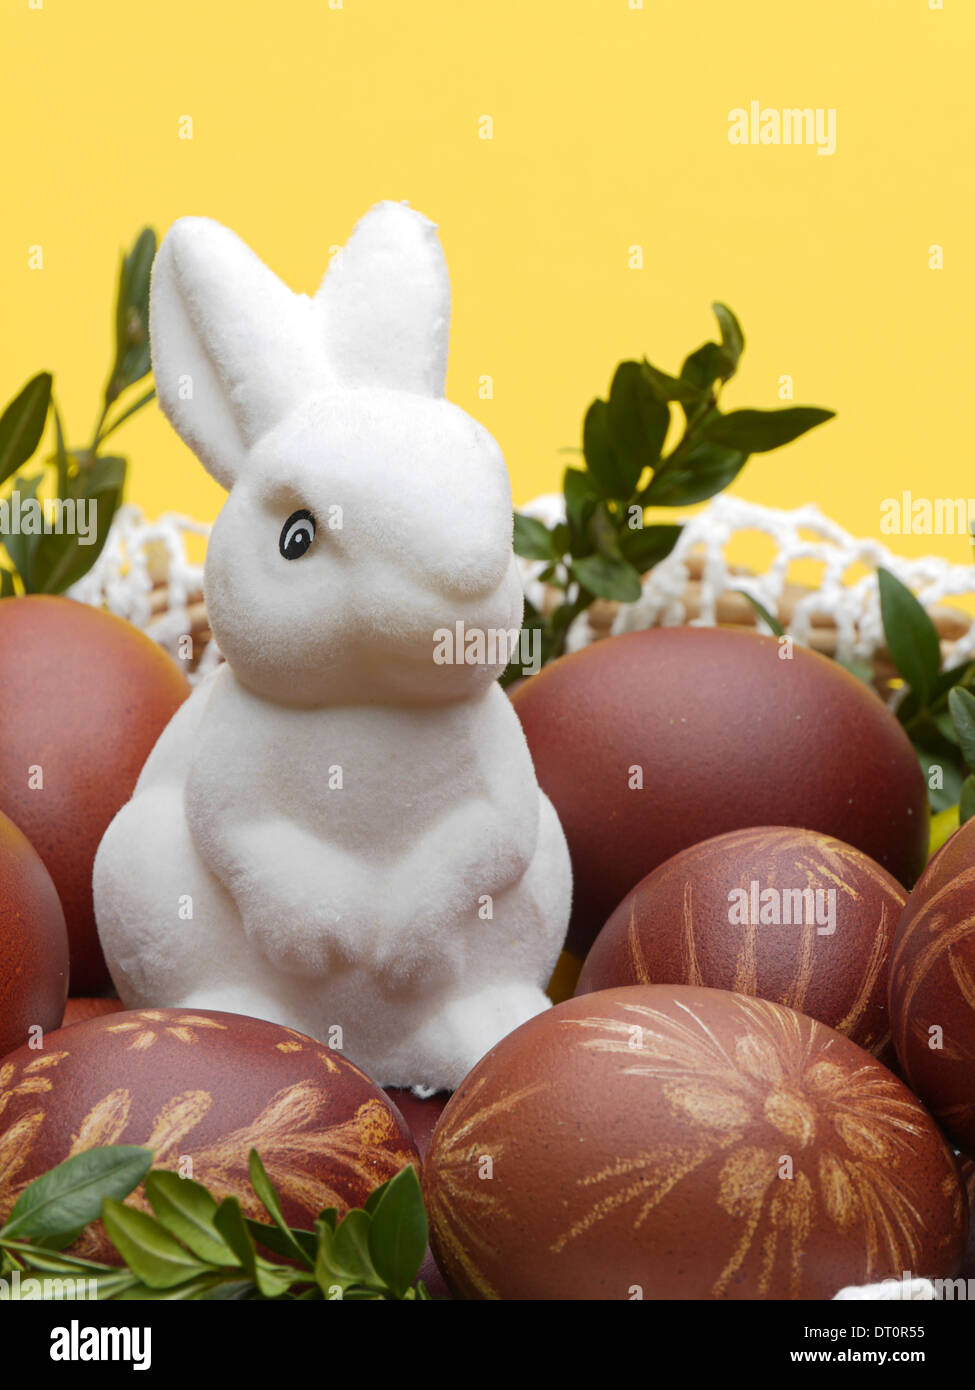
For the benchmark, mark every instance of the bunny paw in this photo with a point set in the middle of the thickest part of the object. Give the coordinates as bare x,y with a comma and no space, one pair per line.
468,1027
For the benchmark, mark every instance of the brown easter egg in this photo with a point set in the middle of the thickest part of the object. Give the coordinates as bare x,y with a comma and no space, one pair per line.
651,742
80,1010
86,696
33,942
932,988
671,1142
201,1088
788,915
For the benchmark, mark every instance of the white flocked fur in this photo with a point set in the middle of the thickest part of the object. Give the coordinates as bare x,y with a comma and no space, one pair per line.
335,831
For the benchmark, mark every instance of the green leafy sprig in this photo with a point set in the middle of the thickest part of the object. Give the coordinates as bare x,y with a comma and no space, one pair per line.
48,562
194,1246
938,708
603,547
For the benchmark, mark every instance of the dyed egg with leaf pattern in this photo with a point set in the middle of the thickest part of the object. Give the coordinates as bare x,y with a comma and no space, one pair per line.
932,988
788,915
201,1089
675,1142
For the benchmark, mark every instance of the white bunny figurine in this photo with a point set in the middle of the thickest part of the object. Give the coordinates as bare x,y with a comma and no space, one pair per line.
336,831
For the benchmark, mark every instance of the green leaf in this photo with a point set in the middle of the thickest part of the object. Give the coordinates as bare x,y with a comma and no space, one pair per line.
580,501
646,546
532,539
561,538
187,1210
192,1289
124,415
22,424
710,363
758,431
962,675
22,548
266,1191
732,338
328,1273
104,473
961,704
229,1221
912,638
603,529
7,587
966,804
671,388
116,1285
39,1256
271,1280
398,1232
233,1290
270,1237
705,470
68,1197
942,721
58,1242
612,579
350,1249
773,624
132,355
608,471
61,453
637,421
147,1247
61,560
949,793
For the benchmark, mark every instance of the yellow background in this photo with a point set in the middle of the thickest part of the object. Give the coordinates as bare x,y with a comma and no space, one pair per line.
610,130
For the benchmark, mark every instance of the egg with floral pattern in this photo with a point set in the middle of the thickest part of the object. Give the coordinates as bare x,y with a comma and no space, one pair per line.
788,915
932,988
201,1089
675,1142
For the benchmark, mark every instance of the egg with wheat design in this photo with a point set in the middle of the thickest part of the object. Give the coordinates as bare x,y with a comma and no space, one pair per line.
788,915
673,1142
201,1089
932,988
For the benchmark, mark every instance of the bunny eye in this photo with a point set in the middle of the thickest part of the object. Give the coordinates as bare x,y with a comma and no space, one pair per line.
297,534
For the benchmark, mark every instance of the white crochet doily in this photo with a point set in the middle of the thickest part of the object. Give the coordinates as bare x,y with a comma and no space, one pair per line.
853,606
125,576
139,554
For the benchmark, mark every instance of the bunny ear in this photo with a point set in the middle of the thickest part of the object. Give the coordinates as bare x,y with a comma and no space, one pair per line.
385,303
233,349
